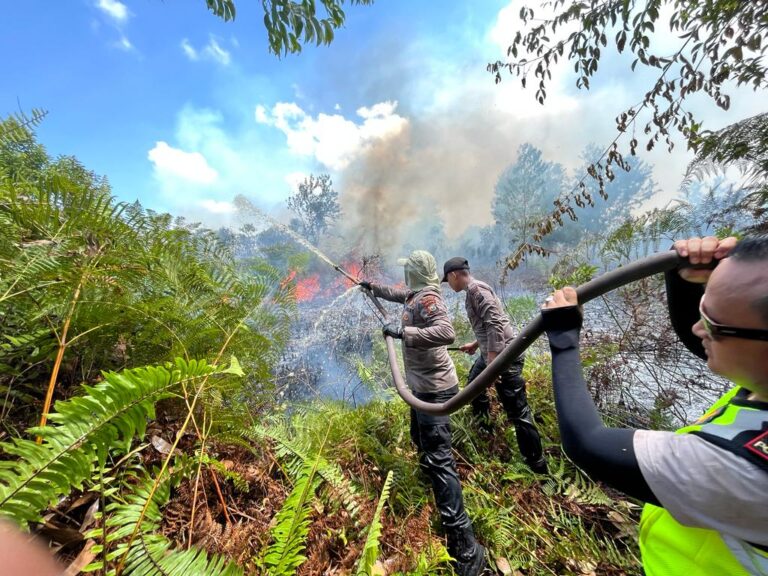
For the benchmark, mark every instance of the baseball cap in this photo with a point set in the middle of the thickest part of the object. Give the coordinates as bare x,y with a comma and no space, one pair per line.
455,263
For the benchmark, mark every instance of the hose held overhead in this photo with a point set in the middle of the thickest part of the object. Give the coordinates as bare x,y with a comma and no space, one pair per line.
655,264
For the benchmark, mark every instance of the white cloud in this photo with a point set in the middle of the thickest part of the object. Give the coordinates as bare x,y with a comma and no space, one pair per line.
262,117
217,206
124,44
211,51
190,52
333,140
503,30
190,166
216,52
114,9
209,159
118,15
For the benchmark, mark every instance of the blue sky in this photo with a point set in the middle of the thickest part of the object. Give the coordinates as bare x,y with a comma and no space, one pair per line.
184,111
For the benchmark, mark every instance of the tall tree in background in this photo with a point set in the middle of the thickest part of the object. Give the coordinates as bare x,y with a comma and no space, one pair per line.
316,206
523,194
720,43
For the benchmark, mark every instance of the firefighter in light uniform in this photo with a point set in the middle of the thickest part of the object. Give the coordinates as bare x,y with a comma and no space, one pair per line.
426,330
706,486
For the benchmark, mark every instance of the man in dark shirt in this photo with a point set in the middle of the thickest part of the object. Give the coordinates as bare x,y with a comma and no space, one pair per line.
493,331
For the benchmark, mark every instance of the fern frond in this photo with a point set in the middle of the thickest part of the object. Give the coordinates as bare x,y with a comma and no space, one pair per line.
151,553
371,549
285,554
16,127
84,429
298,456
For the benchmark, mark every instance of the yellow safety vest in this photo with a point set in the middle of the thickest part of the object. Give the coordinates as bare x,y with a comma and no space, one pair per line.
670,549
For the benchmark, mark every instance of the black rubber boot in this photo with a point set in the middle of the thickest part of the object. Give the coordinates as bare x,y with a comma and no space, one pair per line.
468,555
539,466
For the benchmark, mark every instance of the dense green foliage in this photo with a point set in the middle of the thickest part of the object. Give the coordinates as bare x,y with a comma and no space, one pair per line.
92,290
166,450
290,24
90,284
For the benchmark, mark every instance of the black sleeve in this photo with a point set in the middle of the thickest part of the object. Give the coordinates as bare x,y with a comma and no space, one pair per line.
683,302
606,454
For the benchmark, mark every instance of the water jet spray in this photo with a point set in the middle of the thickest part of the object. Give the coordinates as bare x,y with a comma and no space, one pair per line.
649,266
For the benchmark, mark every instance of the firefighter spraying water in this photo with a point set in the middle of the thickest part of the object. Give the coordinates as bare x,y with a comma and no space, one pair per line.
699,519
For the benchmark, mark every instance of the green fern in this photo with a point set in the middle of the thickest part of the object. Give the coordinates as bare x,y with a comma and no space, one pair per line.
16,127
84,430
574,485
371,548
298,456
289,535
151,553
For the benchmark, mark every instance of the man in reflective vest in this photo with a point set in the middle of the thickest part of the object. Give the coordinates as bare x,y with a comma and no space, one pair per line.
705,486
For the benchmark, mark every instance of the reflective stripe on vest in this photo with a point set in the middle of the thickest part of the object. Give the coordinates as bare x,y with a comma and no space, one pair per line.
738,426
670,549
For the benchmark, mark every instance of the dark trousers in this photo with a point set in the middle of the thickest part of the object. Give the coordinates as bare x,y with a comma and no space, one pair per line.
432,437
511,390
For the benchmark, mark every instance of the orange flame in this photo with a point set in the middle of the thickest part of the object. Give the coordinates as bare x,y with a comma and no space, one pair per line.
307,288
343,283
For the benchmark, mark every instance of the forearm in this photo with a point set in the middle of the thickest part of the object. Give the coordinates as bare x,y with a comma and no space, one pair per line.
440,334
388,293
606,454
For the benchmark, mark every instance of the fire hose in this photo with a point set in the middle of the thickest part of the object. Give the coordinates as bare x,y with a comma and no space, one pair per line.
655,264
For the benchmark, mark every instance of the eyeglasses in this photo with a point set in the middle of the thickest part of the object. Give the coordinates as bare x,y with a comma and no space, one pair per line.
714,329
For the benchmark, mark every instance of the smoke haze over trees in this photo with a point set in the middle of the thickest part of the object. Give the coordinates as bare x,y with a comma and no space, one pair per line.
176,400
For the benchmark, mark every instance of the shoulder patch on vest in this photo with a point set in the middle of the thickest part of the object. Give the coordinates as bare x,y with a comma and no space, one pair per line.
429,305
759,445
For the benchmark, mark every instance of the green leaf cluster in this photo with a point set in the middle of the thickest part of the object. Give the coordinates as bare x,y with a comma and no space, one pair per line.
84,430
88,283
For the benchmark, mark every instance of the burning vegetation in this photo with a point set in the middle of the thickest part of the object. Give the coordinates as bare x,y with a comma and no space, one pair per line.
222,400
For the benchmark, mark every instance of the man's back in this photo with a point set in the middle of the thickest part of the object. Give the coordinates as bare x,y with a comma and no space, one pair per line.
487,317
427,329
